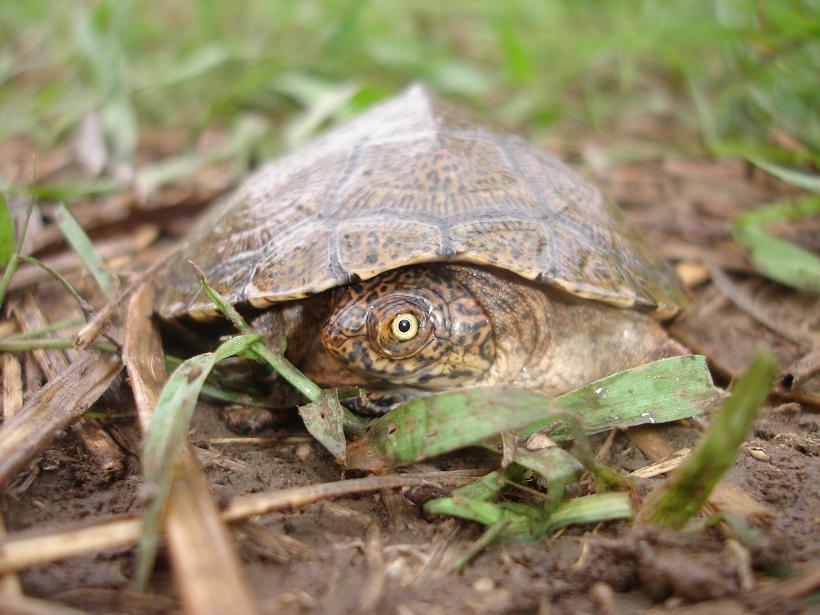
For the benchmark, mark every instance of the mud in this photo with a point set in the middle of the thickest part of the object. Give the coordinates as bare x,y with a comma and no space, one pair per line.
321,565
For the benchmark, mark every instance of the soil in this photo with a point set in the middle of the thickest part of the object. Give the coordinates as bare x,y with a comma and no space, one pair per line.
379,552
611,568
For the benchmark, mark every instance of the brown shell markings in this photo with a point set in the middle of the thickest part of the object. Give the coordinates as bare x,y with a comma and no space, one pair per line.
412,180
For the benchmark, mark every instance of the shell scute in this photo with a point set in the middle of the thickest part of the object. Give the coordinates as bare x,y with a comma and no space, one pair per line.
414,180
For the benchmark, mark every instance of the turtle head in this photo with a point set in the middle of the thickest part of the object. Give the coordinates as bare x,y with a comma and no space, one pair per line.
414,327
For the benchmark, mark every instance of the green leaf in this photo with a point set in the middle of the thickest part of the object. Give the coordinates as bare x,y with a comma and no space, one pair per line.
7,243
526,522
687,489
324,419
79,241
167,434
70,191
665,390
429,426
558,468
322,101
776,258
490,485
801,179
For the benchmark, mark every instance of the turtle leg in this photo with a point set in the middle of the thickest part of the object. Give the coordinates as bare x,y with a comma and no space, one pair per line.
379,402
248,421
280,408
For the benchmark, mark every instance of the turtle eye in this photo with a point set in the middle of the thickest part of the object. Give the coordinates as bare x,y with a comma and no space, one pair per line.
405,326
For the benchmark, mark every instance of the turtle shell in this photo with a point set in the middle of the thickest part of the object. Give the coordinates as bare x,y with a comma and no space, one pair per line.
413,180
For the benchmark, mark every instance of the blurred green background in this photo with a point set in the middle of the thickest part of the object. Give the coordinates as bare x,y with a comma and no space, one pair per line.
742,76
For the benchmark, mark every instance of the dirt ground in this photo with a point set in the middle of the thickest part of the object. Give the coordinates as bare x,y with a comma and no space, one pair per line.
377,552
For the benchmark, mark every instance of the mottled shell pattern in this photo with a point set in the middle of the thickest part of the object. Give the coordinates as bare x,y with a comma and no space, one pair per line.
413,180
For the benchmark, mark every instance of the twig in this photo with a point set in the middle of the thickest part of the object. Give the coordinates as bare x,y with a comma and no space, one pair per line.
12,386
205,563
104,451
486,539
663,466
22,551
741,298
9,583
60,402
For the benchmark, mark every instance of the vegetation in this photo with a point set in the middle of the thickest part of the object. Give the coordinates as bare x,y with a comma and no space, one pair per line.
740,73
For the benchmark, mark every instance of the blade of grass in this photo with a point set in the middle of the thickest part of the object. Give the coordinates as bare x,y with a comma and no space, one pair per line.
11,266
70,191
78,240
526,522
558,468
687,489
665,390
443,422
327,426
590,509
775,258
7,247
485,540
807,181
491,485
166,436
51,343
84,305
59,325
324,420
485,513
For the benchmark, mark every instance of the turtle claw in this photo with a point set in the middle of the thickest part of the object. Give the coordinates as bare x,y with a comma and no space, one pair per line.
250,421
378,403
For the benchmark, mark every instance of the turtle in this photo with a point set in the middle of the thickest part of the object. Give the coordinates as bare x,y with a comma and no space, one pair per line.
413,249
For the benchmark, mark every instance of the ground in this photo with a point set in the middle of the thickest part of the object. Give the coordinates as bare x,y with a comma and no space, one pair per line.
378,551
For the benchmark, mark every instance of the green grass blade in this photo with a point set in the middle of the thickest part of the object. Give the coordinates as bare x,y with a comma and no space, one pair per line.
84,305
8,247
324,419
485,513
490,485
429,426
7,244
801,179
8,272
776,258
589,509
486,539
525,522
558,468
688,488
166,436
71,191
666,390
82,245
38,332
276,360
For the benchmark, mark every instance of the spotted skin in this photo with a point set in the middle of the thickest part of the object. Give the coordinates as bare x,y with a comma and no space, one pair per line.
518,270
413,181
477,326
453,344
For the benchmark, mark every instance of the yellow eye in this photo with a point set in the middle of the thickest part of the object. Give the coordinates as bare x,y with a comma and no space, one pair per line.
405,326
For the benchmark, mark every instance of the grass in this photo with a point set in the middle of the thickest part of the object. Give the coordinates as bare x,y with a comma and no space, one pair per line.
740,72
687,489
